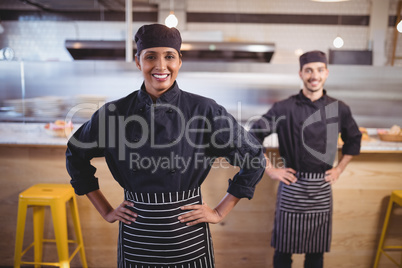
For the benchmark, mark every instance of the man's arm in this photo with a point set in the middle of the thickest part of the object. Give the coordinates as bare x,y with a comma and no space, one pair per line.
333,174
285,175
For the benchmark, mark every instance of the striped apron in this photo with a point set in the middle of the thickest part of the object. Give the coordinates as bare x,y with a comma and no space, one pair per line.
303,217
157,239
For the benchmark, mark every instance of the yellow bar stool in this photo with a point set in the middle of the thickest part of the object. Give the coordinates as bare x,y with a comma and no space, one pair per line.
38,197
396,197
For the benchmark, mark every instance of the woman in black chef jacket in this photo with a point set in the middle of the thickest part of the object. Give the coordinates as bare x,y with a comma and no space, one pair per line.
159,143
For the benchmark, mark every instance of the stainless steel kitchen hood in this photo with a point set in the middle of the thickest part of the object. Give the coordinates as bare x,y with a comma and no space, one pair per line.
194,51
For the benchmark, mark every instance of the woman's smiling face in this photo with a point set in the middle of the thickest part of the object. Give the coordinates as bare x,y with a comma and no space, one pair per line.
160,67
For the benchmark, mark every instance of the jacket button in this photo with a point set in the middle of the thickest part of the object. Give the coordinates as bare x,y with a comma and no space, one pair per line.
172,171
170,111
136,140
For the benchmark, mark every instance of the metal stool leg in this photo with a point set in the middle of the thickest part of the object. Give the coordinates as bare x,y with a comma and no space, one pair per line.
401,262
19,240
383,233
38,224
60,231
77,229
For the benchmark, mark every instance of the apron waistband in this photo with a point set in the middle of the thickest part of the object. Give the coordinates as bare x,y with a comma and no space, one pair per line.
161,198
310,175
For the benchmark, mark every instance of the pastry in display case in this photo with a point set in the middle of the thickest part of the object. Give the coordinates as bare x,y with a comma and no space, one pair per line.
393,134
59,128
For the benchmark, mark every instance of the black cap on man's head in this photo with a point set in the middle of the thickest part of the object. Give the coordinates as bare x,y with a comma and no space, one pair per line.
312,56
157,35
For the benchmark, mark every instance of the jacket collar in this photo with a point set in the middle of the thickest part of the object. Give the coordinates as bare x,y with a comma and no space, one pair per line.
302,98
166,97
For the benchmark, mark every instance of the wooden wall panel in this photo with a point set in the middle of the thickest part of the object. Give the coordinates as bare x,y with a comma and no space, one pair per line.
243,238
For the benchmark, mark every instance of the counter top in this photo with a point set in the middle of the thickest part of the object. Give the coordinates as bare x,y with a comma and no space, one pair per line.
28,134
34,134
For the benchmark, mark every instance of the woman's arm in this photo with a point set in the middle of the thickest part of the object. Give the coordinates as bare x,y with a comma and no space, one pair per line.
121,213
203,213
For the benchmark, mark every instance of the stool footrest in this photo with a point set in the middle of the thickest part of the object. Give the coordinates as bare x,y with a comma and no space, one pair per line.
26,250
52,241
51,263
390,258
395,248
41,263
74,253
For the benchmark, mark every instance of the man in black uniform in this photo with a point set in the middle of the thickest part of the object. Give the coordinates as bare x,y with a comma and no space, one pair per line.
308,125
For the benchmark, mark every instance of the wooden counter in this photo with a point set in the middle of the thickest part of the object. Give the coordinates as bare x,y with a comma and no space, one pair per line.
243,238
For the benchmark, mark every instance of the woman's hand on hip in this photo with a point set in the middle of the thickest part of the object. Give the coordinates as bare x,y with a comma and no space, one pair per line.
122,213
198,214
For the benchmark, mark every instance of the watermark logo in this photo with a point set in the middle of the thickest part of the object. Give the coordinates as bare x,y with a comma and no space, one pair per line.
331,111
112,133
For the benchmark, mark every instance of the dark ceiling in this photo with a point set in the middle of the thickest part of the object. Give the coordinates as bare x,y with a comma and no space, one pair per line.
75,5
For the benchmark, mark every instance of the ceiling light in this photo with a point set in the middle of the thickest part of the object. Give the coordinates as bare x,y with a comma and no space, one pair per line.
171,20
329,1
299,52
257,48
338,42
399,27
6,53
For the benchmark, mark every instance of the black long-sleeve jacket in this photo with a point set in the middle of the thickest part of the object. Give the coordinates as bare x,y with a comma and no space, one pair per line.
167,146
308,131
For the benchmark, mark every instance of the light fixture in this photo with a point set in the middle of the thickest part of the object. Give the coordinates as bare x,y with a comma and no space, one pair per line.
299,52
7,53
1,28
329,1
171,20
338,42
257,48
399,27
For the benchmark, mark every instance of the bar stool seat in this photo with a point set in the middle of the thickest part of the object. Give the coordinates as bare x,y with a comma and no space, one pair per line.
396,198
38,197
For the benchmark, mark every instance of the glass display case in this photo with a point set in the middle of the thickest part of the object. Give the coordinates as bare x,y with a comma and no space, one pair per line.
47,91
